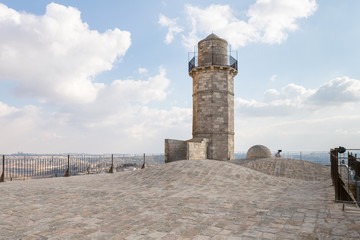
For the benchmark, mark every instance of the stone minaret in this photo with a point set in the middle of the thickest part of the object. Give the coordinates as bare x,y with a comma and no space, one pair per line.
213,97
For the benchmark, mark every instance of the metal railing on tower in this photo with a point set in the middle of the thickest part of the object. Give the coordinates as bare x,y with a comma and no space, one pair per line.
232,56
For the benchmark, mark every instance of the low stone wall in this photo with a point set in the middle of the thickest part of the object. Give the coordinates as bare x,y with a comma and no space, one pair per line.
196,148
175,150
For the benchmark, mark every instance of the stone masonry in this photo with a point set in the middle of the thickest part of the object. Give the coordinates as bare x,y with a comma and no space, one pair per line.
195,199
192,149
213,98
197,148
213,106
175,150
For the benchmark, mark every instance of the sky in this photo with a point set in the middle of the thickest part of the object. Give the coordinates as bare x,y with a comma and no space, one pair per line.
88,76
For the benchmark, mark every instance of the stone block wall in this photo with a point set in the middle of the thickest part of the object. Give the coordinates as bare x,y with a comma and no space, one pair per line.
212,52
197,148
175,150
213,109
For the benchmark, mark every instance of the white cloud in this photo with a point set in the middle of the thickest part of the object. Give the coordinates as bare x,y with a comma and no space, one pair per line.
19,125
126,129
118,100
121,91
268,21
173,27
275,103
142,70
220,20
273,77
294,98
346,132
118,120
311,132
341,132
54,57
274,18
6,110
338,91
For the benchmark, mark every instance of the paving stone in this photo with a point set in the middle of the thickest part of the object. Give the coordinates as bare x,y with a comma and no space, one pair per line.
199,199
201,237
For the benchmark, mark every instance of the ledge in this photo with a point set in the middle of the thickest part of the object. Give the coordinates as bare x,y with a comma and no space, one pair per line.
211,67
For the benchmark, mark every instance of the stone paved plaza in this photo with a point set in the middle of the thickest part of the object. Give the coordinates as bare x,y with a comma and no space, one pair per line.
196,199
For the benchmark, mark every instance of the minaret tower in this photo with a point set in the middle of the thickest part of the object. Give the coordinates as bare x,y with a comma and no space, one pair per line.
213,96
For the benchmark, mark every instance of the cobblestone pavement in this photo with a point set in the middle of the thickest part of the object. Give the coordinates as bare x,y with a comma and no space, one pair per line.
182,200
286,167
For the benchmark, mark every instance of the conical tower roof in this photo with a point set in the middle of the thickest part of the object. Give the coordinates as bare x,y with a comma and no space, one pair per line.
212,36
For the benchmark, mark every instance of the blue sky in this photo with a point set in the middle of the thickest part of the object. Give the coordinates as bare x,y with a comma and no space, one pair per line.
111,76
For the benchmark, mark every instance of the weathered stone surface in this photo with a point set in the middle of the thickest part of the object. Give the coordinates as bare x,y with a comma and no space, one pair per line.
212,51
197,148
213,102
195,199
175,150
286,167
213,98
258,151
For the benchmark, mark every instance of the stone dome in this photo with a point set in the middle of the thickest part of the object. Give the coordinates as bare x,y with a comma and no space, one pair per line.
258,151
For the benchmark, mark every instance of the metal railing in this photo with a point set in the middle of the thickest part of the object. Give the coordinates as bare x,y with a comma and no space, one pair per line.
233,62
319,157
192,63
345,170
193,60
44,166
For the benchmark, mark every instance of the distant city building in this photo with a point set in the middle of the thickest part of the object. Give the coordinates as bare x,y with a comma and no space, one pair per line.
213,70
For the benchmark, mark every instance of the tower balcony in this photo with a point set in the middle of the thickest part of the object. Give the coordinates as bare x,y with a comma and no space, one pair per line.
213,58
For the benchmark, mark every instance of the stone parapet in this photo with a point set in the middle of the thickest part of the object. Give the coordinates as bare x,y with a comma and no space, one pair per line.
175,150
196,148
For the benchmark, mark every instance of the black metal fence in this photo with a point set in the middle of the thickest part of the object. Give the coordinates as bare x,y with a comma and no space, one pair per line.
320,157
43,166
193,60
345,174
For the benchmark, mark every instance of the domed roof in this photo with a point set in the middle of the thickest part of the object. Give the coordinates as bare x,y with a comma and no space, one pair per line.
258,151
